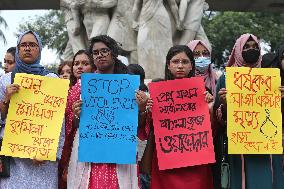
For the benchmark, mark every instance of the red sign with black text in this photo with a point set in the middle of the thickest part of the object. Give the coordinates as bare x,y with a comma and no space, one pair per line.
182,125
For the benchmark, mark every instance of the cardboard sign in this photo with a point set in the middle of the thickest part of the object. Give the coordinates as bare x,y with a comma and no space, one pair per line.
109,118
35,117
254,111
181,123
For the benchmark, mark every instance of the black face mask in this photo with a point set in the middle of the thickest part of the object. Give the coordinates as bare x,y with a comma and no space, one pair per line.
251,56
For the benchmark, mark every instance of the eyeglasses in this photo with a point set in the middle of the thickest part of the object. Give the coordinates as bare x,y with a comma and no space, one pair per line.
103,51
201,53
178,61
31,45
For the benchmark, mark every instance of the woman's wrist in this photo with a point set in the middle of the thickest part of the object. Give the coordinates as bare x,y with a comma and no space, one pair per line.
76,117
143,112
6,101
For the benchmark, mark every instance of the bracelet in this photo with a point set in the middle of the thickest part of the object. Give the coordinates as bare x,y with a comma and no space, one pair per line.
76,116
5,103
143,113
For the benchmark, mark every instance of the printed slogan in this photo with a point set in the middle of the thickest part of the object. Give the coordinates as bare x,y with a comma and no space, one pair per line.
254,111
109,118
35,117
181,123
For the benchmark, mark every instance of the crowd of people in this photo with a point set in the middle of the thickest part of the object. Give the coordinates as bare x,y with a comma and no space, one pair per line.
182,61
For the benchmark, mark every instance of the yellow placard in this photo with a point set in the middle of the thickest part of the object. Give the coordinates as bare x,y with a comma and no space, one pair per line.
35,117
254,118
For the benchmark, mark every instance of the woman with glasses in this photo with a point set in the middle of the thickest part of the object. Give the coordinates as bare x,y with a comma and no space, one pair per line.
245,171
82,63
179,64
204,66
104,51
27,173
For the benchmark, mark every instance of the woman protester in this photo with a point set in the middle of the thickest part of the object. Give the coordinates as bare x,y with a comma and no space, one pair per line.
179,64
27,173
105,51
246,171
82,63
203,64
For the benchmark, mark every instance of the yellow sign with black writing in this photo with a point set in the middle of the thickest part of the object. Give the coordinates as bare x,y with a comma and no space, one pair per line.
35,117
254,110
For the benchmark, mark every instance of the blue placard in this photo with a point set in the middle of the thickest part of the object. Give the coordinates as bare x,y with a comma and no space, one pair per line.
109,118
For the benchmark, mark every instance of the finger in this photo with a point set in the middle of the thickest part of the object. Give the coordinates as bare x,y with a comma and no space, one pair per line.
139,97
207,99
140,92
17,86
78,104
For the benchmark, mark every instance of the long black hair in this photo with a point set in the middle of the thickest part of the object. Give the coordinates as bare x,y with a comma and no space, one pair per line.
267,60
174,51
136,69
115,49
73,79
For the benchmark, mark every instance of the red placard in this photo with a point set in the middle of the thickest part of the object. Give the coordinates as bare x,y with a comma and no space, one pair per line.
182,125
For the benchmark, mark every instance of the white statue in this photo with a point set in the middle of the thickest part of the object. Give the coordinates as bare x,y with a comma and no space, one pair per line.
191,13
85,19
154,34
121,30
96,16
68,51
158,22
201,35
77,37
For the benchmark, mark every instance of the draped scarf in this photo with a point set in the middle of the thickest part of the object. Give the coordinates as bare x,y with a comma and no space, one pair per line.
33,68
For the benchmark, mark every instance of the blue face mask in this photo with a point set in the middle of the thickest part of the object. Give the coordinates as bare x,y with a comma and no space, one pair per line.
202,63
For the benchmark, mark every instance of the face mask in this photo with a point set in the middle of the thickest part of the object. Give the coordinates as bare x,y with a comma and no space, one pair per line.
251,56
202,63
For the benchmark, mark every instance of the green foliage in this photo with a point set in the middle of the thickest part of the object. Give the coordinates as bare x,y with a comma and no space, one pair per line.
3,23
52,67
223,28
51,28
